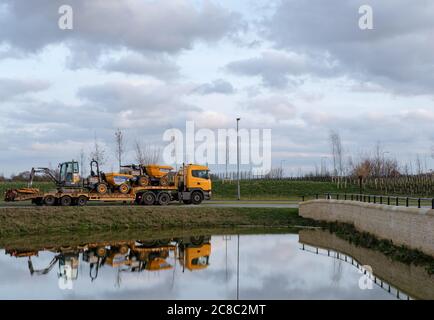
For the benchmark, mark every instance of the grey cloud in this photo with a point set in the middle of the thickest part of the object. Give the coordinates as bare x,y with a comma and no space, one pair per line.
159,67
277,106
397,54
10,88
217,86
278,68
163,26
160,101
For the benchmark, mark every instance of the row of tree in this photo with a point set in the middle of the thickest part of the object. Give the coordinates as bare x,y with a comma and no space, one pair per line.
144,153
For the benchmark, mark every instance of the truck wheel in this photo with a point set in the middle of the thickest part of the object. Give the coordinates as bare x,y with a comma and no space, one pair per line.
196,197
81,201
197,241
101,188
50,200
163,199
148,198
124,188
65,201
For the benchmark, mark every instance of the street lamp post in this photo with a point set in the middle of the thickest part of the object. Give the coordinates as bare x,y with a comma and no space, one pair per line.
238,160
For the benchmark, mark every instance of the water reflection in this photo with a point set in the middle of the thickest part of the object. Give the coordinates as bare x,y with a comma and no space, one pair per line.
266,266
192,253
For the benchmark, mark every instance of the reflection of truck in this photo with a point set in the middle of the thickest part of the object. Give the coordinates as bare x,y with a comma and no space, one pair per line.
190,185
194,253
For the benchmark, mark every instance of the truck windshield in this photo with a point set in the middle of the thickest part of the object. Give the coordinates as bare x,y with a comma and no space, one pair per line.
203,174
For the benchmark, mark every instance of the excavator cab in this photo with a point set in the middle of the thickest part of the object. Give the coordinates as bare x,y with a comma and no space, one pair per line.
69,174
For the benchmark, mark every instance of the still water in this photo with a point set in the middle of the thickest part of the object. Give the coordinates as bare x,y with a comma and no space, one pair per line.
259,266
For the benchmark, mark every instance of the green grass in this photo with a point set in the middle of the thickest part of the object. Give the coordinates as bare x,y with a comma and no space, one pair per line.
44,220
274,189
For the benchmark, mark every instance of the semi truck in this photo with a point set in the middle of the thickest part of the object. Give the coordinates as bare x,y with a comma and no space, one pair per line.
191,184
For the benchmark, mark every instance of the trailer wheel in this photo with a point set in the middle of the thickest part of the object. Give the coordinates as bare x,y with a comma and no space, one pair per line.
163,199
196,197
65,201
50,200
81,201
38,201
148,198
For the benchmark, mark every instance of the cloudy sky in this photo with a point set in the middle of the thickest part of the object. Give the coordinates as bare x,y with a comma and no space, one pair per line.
299,67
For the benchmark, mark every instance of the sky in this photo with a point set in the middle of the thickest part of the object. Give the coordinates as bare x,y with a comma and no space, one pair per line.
298,67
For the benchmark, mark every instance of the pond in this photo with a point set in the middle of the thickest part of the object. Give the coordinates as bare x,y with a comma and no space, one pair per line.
248,266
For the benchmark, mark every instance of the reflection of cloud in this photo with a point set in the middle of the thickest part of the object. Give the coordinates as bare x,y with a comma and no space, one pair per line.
271,267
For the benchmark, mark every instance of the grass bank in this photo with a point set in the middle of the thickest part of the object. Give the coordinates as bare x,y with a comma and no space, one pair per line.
366,240
273,189
59,220
72,239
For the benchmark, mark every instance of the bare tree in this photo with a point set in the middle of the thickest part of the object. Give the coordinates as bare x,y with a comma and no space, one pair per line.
98,153
120,146
419,166
146,153
337,153
275,173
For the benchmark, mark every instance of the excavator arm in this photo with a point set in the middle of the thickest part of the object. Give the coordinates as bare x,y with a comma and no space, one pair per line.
42,271
45,171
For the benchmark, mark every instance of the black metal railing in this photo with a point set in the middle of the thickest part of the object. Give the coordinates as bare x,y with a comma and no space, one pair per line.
375,198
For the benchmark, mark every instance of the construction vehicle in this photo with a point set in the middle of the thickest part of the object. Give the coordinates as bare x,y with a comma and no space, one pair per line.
190,185
194,254
149,175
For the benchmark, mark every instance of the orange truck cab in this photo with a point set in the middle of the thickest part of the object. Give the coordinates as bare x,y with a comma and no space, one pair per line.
196,183
196,257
